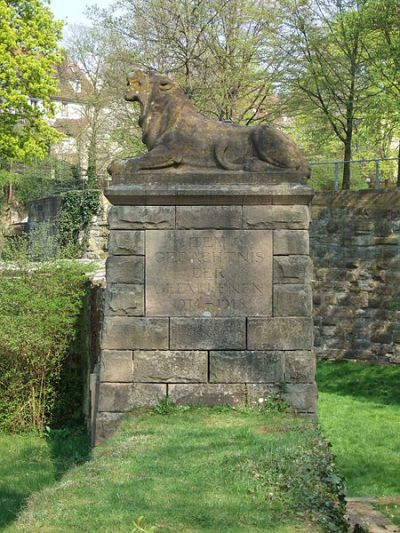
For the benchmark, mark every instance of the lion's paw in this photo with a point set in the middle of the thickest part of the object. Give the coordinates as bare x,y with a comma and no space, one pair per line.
121,166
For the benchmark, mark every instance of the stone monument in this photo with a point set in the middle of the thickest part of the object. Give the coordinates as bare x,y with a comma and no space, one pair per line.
208,296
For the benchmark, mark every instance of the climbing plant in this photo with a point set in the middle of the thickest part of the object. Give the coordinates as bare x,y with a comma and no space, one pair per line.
78,209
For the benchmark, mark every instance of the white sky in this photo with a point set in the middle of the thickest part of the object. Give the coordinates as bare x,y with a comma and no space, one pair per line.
72,11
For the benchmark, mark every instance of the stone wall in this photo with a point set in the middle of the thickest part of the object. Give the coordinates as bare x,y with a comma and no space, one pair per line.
355,246
205,303
44,213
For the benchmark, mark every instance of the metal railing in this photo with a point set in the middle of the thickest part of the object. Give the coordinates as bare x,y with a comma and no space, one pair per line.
369,173
47,177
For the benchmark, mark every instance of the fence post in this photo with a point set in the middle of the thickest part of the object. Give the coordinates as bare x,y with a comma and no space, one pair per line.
377,179
336,176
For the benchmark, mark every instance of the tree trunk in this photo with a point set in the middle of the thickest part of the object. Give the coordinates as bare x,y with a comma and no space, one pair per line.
398,167
346,165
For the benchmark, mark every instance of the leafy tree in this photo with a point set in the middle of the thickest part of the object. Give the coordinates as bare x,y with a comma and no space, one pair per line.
327,72
382,49
219,51
28,53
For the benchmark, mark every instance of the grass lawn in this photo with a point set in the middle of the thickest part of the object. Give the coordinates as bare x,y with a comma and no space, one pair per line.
359,412
392,511
193,470
30,462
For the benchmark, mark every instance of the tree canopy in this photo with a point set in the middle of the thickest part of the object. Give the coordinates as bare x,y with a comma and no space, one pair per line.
29,38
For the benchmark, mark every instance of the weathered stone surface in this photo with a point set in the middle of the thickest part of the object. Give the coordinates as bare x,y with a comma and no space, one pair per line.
125,269
208,273
123,333
302,397
178,136
284,333
246,367
276,217
357,263
116,365
120,397
171,366
159,187
291,242
258,394
106,425
126,242
292,300
142,217
124,300
207,333
207,394
292,269
206,216
300,367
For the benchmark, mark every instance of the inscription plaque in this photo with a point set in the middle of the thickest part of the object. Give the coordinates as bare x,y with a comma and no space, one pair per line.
208,273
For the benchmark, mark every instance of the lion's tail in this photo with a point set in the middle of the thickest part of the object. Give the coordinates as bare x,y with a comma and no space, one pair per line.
220,155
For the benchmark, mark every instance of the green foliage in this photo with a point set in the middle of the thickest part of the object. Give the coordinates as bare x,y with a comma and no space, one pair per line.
78,209
39,311
392,511
28,52
140,527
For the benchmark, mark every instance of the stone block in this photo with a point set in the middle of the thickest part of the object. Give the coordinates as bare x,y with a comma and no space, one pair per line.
125,333
114,397
292,300
124,300
122,397
105,426
286,333
276,217
116,366
302,397
171,366
208,333
207,394
300,367
205,216
142,217
291,242
246,367
125,269
126,242
258,394
293,269
209,273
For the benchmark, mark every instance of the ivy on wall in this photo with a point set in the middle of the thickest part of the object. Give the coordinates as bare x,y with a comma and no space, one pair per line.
78,209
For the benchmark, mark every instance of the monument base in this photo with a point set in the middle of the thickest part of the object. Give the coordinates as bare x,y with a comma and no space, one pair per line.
208,297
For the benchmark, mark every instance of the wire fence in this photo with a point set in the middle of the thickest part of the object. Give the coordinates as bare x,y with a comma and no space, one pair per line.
365,174
53,176
48,177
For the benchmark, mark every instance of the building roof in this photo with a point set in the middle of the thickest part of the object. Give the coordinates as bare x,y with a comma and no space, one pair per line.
73,84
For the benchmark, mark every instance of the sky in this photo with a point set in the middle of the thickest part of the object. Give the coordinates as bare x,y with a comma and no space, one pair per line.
72,11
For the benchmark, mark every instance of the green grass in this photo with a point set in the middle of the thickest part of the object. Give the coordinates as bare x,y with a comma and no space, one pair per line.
392,511
359,413
30,462
195,470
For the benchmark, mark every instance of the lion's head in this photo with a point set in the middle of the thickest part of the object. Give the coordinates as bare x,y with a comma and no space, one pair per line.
143,85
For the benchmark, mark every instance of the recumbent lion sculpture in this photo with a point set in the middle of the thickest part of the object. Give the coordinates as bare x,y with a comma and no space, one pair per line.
178,136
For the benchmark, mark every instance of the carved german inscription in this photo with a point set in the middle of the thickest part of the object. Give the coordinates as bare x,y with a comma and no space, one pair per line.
208,273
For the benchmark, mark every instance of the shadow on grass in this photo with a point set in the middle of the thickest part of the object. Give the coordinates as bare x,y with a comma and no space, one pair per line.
375,383
67,449
32,463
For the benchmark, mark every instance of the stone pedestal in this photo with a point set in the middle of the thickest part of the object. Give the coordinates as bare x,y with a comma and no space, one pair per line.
208,296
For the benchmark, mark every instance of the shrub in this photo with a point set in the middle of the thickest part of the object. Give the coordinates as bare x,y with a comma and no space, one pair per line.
39,310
